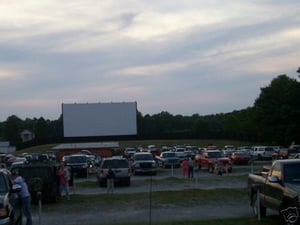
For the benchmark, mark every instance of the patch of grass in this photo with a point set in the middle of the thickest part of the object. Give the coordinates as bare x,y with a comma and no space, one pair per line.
274,220
177,198
87,184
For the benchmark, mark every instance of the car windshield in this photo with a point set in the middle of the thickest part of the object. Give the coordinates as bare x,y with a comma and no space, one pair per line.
170,154
293,151
217,154
240,154
143,157
2,184
115,163
269,149
77,159
292,173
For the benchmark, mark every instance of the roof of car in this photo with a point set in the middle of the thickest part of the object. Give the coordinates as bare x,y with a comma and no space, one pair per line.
115,157
286,161
143,153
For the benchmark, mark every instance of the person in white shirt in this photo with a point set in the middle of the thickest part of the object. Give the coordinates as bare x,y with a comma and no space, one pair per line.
24,195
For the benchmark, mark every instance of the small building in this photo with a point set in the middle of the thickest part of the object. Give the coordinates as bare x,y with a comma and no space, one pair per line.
26,135
6,148
102,149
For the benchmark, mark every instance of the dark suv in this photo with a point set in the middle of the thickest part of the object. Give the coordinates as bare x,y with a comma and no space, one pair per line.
119,165
78,164
40,177
10,204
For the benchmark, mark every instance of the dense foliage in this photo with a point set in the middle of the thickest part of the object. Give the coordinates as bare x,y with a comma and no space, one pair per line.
274,118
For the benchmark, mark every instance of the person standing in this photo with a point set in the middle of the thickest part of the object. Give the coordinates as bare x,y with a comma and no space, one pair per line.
24,195
191,167
110,177
185,167
64,177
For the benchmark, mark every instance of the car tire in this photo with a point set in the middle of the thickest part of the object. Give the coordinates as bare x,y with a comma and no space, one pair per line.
263,210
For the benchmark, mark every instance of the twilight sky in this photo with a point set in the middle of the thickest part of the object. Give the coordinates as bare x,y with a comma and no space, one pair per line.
184,57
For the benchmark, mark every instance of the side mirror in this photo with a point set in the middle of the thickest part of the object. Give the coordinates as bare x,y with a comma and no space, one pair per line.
273,179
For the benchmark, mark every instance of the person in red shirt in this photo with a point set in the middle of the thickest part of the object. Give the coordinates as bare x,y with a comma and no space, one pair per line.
185,167
64,177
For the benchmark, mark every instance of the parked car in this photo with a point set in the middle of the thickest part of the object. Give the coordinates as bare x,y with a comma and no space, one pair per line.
181,155
168,160
240,158
282,153
10,204
120,167
262,152
228,150
40,177
144,163
129,152
293,150
78,163
276,188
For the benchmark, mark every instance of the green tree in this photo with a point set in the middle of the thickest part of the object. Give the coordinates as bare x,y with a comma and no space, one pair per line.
12,130
41,131
277,111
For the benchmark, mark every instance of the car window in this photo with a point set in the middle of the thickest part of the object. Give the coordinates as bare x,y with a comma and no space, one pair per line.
171,154
269,149
215,155
291,173
115,163
43,172
3,187
77,159
143,157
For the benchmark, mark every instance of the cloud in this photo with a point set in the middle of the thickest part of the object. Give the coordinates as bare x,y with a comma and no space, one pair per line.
178,56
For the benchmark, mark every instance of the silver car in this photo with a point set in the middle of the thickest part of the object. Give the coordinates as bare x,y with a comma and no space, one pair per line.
120,167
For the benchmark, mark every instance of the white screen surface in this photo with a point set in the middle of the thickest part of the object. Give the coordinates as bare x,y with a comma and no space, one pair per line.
99,119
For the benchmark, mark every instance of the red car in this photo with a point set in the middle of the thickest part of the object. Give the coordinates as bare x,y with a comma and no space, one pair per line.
240,158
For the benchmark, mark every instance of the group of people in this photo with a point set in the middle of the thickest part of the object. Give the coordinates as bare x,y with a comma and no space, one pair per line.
188,167
220,168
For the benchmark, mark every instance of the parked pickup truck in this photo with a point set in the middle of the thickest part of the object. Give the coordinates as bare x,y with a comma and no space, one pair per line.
208,158
277,188
168,159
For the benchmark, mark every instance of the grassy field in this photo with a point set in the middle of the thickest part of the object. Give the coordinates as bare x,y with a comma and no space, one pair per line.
274,220
193,197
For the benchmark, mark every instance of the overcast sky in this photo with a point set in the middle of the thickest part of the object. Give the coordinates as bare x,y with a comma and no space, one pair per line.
184,57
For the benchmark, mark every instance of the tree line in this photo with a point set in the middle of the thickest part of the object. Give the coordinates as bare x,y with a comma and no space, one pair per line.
274,118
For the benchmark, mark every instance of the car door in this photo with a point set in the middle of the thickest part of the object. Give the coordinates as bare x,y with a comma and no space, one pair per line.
273,190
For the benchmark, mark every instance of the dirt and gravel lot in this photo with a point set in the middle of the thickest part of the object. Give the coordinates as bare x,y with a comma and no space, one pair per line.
135,211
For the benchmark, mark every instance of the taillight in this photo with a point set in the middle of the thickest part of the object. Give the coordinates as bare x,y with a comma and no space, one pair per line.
3,212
